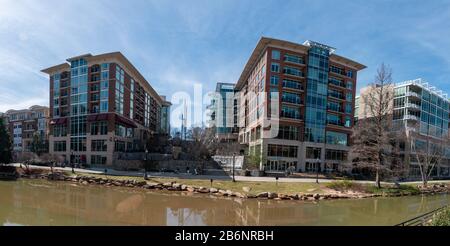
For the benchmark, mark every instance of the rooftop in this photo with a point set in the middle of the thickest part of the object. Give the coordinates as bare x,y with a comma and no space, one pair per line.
425,85
264,42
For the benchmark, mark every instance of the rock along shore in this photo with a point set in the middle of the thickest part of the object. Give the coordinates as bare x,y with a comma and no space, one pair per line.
173,186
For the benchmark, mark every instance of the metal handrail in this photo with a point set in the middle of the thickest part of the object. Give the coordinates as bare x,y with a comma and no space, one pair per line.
421,219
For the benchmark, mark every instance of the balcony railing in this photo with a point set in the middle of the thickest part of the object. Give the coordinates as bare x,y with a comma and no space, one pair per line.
414,94
413,105
411,117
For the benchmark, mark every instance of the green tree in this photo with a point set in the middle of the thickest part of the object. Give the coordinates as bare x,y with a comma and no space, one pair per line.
5,144
38,145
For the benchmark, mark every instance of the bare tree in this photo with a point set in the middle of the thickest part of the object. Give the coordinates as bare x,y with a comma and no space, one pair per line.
372,136
428,155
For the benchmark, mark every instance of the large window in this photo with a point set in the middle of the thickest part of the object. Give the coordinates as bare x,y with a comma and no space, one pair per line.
334,106
293,84
275,67
99,128
313,153
290,112
333,119
98,160
282,151
292,71
293,58
288,132
120,88
59,130
274,80
291,98
99,145
59,146
336,138
276,54
336,155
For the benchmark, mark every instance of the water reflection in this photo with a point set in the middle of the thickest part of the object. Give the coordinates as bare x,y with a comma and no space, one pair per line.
28,202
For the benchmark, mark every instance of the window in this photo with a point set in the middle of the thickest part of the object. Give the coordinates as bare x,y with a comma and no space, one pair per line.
350,73
275,67
288,132
336,155
312,153
274,80
336,70
337,82
333,119
98,160
119,146
290,112
282,151
349,96
59,146
293,84
348,121
276,54
293,58
59,130
98,145
350,85
99,128
293,71
334,106
348,108
336,138
291,98
105,66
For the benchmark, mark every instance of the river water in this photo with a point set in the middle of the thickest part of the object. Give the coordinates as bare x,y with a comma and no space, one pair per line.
39,202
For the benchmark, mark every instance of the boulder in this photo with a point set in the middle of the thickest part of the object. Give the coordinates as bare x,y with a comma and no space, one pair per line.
230,193
316,196
190,189
176,186
203,190
85,182
263,195
213,190
246,189
222,192
272,195
167,185
183,187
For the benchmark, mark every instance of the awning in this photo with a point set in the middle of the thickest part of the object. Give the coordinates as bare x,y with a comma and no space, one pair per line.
97,117
126,122
60,121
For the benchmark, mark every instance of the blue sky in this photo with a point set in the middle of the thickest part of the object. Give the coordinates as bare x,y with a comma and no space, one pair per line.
178,43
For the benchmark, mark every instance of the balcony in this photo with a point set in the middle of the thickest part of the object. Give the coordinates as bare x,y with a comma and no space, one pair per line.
413,106
412,94
411,117
337,83
337,96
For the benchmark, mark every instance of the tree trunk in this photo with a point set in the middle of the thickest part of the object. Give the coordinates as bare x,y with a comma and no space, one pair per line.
377,178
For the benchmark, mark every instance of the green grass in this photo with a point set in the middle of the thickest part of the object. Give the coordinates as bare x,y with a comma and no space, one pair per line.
256,187
442,218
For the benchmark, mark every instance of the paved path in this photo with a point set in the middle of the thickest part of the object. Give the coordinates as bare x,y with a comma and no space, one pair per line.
190,176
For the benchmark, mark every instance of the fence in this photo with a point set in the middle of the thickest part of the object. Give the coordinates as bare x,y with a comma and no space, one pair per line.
422,219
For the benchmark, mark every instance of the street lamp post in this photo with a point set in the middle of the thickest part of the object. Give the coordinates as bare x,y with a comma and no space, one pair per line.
234,158
317,170
71,163
145,165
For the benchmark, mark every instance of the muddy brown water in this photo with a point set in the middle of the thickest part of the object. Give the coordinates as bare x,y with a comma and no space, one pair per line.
40,202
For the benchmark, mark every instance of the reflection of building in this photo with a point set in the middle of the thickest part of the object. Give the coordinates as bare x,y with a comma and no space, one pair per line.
223,112
26,123
100,107
422,112
312,92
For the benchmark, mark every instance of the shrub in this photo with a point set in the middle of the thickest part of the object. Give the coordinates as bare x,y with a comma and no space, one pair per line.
342,185
442,218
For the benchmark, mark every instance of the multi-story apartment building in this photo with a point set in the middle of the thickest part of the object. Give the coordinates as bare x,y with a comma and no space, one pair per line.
422,112
223,112
24,124
100,107
310,91
165,116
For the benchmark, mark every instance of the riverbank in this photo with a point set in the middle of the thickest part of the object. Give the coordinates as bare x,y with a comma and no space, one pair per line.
241,189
